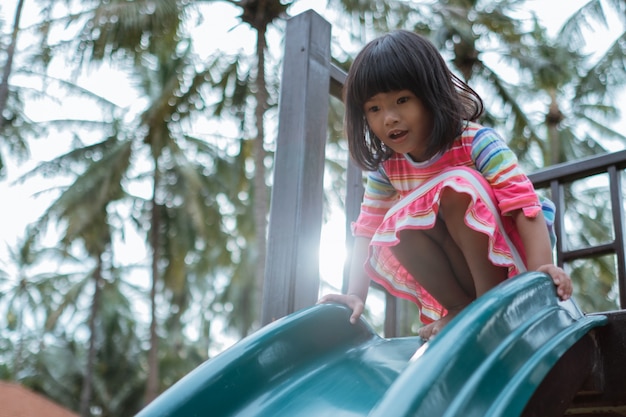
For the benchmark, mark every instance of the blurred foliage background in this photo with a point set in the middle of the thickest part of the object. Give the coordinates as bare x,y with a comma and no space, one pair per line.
147,132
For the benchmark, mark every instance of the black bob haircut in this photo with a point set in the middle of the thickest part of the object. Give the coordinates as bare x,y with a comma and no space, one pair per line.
403,60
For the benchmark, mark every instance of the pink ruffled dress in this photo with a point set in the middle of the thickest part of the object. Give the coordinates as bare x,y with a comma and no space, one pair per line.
403,194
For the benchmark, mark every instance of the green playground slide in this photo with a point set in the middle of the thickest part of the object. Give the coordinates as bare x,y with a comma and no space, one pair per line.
488,361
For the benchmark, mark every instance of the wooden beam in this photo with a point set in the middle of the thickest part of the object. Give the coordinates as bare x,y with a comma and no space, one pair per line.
582,168
292,270
337,80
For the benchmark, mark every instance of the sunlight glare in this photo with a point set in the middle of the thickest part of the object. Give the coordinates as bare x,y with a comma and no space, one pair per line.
333,250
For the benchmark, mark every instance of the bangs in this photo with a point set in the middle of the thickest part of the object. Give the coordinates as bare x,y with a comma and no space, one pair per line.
385,69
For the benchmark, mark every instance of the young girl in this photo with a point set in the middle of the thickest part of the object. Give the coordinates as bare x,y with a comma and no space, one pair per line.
447,213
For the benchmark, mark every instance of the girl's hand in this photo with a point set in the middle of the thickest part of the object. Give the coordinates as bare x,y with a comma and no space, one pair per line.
560,278
351,300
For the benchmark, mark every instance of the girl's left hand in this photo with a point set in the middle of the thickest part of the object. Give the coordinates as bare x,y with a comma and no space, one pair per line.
353,301
560,278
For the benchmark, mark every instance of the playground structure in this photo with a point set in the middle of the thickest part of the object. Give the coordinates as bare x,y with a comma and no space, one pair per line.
516,351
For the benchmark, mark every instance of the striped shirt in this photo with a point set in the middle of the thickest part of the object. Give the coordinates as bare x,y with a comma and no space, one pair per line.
479,148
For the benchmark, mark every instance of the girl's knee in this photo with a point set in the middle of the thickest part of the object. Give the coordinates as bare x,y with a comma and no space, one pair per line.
410,242
453,202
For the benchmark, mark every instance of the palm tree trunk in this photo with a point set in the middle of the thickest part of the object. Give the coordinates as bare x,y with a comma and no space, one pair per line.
260,187
86,390
553,119
18,360
152,383
4,87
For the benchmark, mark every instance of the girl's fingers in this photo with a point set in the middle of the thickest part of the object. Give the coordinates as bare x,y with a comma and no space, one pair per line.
352,301
356,313
560,278
332,298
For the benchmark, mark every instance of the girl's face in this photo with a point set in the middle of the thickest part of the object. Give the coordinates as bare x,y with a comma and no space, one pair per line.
401,121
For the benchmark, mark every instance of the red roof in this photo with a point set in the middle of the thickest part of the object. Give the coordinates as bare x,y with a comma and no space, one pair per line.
19,401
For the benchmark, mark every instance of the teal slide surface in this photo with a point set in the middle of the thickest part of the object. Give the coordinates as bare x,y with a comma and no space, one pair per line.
487,362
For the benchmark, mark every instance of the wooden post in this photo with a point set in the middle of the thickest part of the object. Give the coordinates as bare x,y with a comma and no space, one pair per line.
354,196
292,263
617,208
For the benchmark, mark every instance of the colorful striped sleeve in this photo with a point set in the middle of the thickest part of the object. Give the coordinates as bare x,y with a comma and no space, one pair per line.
499,165
378,197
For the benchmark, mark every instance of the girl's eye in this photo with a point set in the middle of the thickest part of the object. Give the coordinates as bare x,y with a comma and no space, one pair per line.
403,99
373,109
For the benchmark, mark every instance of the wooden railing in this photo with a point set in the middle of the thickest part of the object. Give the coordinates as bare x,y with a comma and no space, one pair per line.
556,178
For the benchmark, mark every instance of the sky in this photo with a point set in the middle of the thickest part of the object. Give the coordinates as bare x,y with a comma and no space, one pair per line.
19,206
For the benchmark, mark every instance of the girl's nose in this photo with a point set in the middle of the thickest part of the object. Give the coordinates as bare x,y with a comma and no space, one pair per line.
391,118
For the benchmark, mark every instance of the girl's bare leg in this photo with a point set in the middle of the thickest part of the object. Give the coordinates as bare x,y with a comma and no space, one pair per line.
446,259
473,245
425,258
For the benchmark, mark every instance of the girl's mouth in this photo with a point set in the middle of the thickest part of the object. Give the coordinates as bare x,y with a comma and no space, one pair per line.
397,134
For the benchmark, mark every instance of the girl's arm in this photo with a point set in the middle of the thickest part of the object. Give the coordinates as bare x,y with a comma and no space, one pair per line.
378,196
358,284
536,240
513,190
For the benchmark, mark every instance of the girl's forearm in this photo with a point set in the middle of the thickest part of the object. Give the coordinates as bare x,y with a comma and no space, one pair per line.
534,235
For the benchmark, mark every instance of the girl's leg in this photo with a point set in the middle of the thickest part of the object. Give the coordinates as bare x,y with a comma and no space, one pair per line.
426,254
450,260
473,245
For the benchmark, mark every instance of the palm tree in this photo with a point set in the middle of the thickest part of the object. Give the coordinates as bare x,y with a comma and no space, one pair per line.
581,89
259,15
180,219
235,83
56,369
185,217
8,65
566,75
14,125
149,34
83,209
26,301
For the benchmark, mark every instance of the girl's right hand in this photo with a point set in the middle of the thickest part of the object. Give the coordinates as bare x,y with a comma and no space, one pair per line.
353,301
561,279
